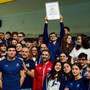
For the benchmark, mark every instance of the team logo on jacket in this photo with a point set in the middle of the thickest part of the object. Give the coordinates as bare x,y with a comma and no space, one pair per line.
39,67
17,64
27,65
49,68
71,84
78,85
6,65
84,74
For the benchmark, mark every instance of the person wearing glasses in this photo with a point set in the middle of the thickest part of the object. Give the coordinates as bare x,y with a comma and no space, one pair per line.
82,59
52,41
21,37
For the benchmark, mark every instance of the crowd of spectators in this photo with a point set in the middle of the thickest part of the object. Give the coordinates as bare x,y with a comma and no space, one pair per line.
46,63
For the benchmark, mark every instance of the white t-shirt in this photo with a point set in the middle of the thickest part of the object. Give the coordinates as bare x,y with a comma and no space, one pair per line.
53,85
34,59
0,59
75,52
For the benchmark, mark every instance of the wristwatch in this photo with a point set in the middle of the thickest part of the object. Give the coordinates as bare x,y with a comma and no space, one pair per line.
26,70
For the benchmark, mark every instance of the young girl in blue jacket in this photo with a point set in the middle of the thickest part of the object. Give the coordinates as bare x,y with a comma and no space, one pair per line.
53,80
67,73
78,82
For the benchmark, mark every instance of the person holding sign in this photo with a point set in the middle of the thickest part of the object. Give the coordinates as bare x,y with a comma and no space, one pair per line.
54,42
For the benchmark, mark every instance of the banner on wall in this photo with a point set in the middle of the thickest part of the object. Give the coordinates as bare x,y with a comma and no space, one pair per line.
52,10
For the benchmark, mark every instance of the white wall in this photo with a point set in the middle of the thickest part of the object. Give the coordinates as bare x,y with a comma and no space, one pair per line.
77,17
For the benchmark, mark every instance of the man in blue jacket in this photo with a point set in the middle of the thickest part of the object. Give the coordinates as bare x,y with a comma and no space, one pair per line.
54,42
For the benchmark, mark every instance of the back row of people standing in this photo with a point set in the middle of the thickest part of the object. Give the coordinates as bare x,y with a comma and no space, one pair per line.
43,57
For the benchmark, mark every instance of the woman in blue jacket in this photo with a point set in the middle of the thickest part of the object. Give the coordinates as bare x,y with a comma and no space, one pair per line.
53,80
67,73
78,82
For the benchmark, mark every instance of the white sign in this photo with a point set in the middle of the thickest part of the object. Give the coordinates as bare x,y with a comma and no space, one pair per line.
52,10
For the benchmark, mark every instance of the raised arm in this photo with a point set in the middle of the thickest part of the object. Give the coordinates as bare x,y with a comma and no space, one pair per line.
45,33
62,32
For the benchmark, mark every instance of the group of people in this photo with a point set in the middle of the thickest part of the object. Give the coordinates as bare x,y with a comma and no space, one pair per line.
46,63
